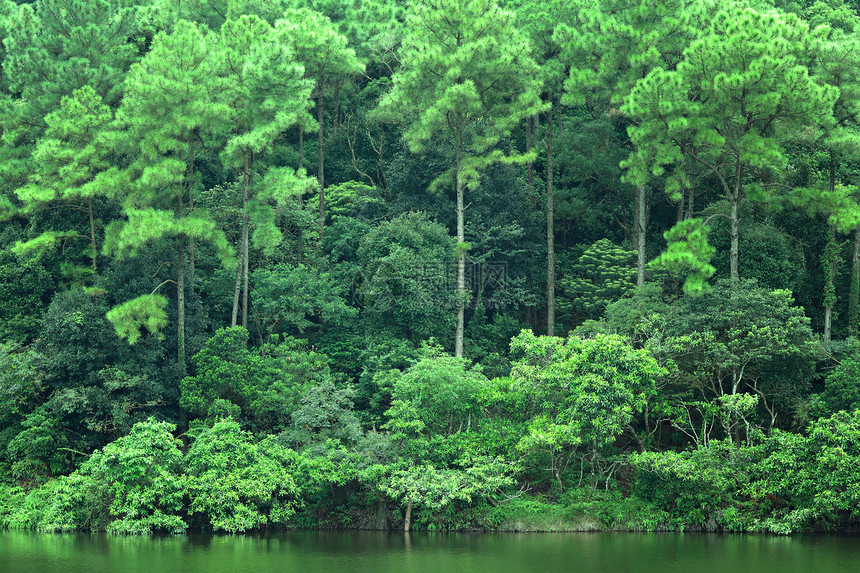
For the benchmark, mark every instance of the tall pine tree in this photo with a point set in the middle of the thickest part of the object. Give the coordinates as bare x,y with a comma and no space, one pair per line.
169,112
322,49
468,77
266,95
729,103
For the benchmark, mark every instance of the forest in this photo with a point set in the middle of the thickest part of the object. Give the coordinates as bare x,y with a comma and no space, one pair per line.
430,264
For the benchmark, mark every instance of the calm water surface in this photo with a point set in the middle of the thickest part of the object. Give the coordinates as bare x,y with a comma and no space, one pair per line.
360,552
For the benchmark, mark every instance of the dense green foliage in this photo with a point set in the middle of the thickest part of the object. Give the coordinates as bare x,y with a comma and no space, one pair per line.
541,265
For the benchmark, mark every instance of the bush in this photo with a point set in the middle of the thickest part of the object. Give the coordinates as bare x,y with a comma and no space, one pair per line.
141,475
237,484
697,487
69,503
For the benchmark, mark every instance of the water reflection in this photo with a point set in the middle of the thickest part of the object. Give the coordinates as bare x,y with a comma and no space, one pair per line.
359,552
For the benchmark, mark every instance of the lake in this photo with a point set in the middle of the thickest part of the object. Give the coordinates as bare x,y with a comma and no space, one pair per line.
378,552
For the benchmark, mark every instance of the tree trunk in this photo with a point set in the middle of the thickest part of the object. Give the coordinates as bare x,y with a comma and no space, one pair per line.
321,163
180,306
461,255
245,259
691,198
550,236
854,293
831,264
237,288
831,256
679,209
299,234
641,225
531,163
735,199
93,247
241,269
246,244
407,523
735,234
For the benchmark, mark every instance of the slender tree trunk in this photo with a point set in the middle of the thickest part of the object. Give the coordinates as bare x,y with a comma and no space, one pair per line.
237,288
180,306
321,162
735,199
691,198
531,166
641,226
241,269
550,236
461,254
245,264
831,256
93,247
854,293
735,234
828,311
246,243
300,234
407,523
679,209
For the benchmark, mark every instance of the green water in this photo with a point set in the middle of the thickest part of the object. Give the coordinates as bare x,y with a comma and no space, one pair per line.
358,552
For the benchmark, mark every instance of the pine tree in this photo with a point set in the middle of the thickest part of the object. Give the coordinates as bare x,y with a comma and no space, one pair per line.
51,51
838,65
323,51
266,94
467,76
729,103
72,167
616,43
541,20
372,27
169,111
